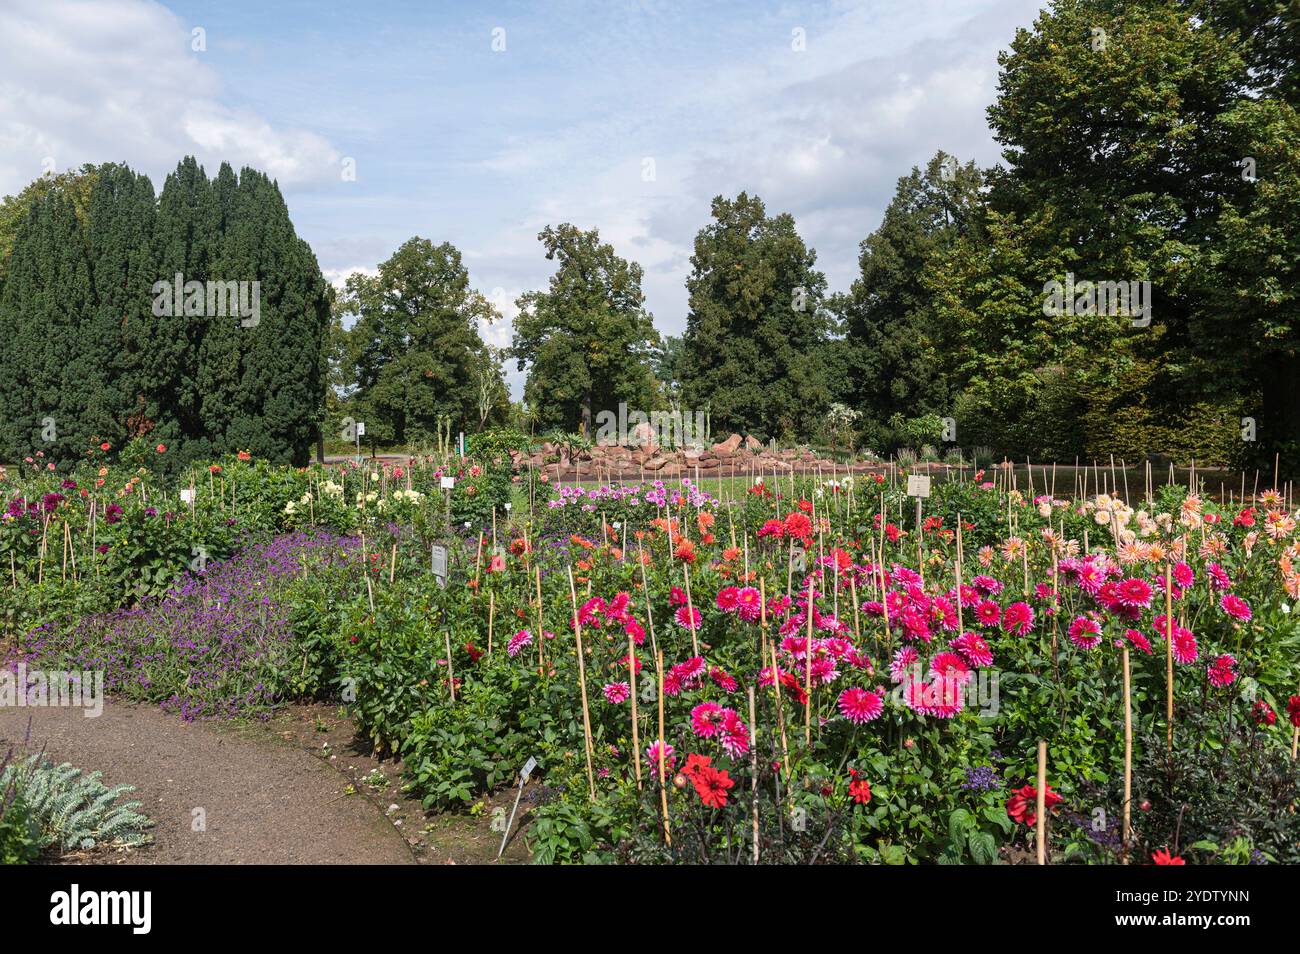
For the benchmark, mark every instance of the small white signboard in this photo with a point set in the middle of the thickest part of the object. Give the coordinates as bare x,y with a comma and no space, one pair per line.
918,485
187,495
448,483
438,564
528,769
361,428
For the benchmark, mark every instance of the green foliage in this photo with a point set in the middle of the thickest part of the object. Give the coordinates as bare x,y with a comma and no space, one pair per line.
898,351
1225,794
95,349
415,353
757,326
587,341
71,811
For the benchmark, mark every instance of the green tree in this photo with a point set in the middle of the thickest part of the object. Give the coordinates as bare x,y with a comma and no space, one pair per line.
898,352
415,348
757,329
1124,126
587,341
46,296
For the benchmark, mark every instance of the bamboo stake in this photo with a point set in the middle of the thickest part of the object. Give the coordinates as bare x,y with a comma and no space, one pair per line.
690,610
582,686
807,681
663,777
753,766
1128,756
631,681
1169,654
1041,802
451,676
541,638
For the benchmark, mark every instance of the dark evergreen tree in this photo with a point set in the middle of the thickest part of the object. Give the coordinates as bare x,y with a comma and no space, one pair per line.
97,347
897,353
757,329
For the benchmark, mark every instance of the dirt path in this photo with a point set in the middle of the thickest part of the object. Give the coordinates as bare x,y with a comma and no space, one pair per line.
264,800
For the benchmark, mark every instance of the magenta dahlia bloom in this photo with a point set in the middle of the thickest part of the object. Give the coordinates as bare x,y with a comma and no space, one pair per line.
1222,671
1235,607
518,642
1085,632
973,649
1018,618
735,734
688,617
860,705
950,665
988,613
706,719
1219,578
1185,648
728,598
617,693
1133,592
652,756
749,604
903,661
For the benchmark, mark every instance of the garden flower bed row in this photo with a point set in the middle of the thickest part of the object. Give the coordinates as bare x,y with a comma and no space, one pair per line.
807,670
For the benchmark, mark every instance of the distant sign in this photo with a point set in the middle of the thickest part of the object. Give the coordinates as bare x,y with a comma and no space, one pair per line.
448,483
361,428
918,485
187,495
528,769
438,564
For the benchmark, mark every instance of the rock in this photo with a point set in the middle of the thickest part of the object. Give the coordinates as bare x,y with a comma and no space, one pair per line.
753,443
655,463
727,447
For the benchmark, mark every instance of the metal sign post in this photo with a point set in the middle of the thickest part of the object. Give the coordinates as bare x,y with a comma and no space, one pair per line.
523,777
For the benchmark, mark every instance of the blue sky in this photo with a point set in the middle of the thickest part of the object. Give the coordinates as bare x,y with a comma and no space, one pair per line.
457,142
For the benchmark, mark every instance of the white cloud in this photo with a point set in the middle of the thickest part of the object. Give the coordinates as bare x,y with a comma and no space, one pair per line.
117,80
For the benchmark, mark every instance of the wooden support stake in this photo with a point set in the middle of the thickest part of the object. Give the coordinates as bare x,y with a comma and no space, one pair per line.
582,686
1041,802
1128,757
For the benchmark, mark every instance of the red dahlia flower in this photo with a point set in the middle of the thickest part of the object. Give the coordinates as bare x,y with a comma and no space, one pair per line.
1022,806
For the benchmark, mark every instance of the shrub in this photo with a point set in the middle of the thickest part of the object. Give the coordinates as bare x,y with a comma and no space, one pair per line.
70,811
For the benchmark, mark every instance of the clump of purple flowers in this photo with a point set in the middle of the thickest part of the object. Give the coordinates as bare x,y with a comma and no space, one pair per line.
212,646
981,778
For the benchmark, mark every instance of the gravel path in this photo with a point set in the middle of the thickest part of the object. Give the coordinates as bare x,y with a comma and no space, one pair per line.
264,800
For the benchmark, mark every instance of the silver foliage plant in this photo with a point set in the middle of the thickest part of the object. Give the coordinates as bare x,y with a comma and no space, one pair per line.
75,811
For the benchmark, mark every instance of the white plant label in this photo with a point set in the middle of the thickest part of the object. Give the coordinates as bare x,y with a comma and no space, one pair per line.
918,485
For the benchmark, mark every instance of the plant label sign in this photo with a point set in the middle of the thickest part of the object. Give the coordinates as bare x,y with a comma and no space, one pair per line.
448,483
187,495
438,564
918,485
361,428
527,770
